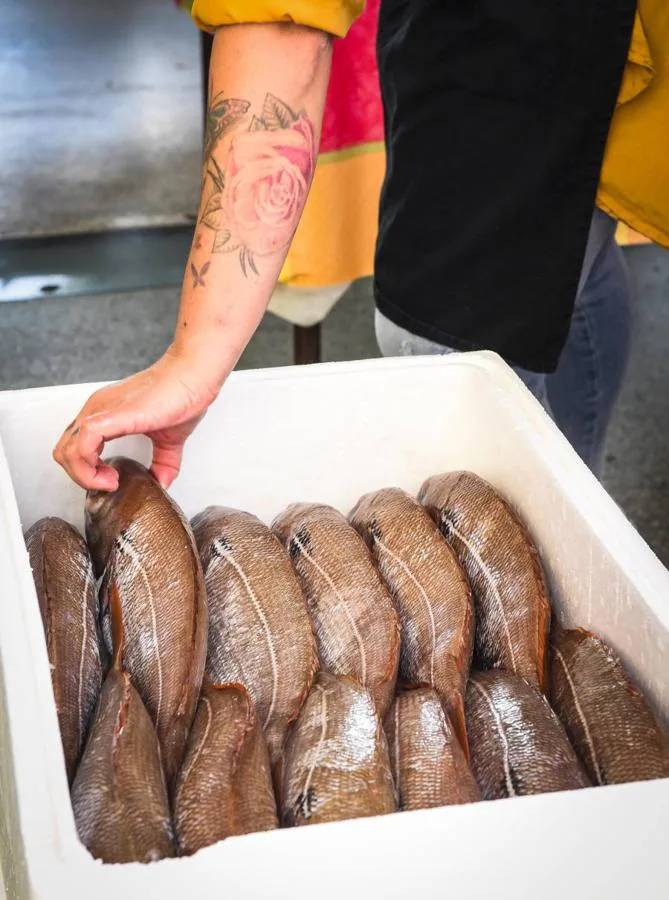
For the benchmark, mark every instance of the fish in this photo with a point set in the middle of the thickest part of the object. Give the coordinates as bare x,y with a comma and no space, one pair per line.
431,593
518,745
260,633
63,574
225,785
607,718
142,546
336,763
428,764
504,569
356,625
119,794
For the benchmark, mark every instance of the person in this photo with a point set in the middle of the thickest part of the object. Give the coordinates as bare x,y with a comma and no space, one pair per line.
516,134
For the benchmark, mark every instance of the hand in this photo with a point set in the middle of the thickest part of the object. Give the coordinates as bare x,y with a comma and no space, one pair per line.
165,402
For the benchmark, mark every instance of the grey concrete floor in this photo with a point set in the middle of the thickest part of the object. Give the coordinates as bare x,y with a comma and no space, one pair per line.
637,466
108,336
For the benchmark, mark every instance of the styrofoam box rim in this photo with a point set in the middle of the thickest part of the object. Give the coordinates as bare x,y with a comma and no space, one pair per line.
588,842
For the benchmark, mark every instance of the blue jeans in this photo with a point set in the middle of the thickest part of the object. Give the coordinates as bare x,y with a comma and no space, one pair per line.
581,393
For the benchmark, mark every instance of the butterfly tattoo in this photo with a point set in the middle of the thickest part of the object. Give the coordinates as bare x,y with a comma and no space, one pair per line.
222,114
198,277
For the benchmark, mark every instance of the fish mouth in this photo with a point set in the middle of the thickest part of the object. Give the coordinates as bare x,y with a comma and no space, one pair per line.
95,503
96,508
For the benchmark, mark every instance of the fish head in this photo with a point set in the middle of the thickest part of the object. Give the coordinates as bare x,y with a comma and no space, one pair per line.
107,513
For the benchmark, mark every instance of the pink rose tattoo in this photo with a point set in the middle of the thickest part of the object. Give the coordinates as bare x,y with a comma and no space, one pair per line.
256,196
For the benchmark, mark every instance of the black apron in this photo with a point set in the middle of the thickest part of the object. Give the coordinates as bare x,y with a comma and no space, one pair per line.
496,117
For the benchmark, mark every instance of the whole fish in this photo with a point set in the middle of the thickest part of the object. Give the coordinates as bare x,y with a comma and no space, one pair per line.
336,762
259,628
119,795
144,547
517,743
431,593
225,785
428,763
356,625
63,574
504,569
606,717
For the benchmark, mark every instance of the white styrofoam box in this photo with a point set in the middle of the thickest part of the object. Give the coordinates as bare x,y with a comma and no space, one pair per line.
331,433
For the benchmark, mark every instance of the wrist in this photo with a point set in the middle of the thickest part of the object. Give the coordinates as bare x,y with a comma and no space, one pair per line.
209,358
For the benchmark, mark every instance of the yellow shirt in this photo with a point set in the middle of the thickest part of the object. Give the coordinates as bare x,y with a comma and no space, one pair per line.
634,181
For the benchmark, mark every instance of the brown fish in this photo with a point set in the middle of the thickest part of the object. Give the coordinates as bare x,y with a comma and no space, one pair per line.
63,573
119,796
336,762
259,628
356,625
504,569
225,785
431,593
428,763
606,717
517,743
141,541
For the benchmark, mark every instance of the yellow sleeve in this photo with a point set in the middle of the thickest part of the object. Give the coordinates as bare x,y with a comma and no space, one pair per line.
333,16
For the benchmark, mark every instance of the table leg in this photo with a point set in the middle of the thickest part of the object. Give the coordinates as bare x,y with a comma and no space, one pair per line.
306,344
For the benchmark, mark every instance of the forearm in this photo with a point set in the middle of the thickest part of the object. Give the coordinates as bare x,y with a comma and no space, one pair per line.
266,95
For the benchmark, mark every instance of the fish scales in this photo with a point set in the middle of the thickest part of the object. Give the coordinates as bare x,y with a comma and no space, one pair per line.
119,795
260,633
504,570
144,548
225,785
610,723
429,766
431,593
336,763
63,574
517,743
355,621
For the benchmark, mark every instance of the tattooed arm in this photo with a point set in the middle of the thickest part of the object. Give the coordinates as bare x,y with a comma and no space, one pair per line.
266,95
260,147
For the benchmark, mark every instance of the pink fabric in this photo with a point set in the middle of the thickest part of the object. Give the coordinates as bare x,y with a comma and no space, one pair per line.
353,112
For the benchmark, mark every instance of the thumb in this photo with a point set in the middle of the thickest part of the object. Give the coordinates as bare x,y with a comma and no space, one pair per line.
167,456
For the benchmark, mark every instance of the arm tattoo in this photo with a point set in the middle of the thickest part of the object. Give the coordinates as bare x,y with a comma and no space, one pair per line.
257,175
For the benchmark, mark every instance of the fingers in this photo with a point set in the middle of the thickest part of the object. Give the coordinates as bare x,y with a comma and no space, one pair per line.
79,452
88,472
80,449
157,402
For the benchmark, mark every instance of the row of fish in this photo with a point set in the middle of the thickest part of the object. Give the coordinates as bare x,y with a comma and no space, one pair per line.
188,689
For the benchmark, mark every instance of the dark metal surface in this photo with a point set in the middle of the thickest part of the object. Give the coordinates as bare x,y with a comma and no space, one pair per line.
72,265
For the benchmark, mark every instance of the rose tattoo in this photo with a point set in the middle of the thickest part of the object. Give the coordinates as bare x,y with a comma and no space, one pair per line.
255,193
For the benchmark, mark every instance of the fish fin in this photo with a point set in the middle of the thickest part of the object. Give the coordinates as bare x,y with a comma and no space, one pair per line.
118,631
456,713
406,686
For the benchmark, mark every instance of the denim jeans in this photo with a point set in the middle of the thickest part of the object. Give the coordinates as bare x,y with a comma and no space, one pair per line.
581,393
